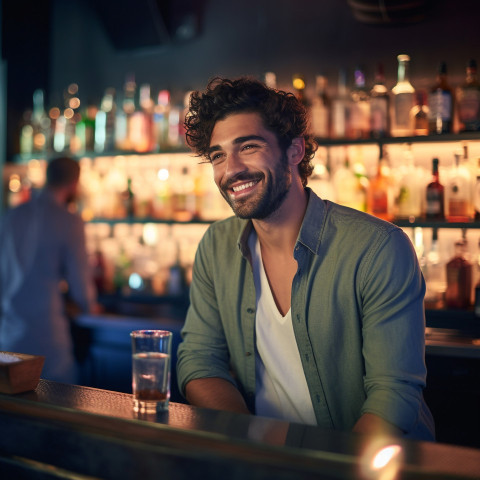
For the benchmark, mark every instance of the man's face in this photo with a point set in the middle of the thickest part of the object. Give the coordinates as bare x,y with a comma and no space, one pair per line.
250,170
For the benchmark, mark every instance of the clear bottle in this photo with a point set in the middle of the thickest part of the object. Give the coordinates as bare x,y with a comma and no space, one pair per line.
380,191
26,133
435,196
458,199
340,107
379,106
321,108
123,119
476,195
468,100
409,194
320,182
359,119
435,275
40,123
459,278
476,306
403,99
270,80
161,113
105,122
350,189
440,103
419,114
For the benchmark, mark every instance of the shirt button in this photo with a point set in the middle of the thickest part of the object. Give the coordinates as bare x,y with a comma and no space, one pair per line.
250,310
247,354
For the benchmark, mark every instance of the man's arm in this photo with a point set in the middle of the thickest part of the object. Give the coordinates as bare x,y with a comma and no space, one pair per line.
393,335
215,393
369,423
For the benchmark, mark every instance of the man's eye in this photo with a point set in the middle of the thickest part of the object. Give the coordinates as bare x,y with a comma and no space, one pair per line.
216,157
249,146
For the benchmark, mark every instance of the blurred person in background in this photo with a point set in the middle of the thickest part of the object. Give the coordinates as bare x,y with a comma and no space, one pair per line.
44,262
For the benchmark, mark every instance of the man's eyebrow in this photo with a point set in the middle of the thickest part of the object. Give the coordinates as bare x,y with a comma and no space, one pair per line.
237,141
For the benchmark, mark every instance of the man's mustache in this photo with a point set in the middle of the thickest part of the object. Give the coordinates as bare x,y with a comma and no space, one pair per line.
241,177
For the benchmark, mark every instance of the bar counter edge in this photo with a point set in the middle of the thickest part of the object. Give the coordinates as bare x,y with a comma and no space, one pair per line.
61,429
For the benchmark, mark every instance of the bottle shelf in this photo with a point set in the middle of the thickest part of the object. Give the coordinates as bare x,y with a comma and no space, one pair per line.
450,137
324,142
133,220
435,224
25,158
399,223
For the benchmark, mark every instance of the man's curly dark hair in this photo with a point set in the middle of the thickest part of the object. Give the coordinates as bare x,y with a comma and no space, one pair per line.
281,112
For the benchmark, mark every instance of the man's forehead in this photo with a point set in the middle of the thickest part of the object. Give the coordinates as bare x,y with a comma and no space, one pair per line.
237,127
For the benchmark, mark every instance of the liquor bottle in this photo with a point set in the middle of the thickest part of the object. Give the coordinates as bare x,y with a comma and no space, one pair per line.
140,128
105,123
26,133
359,119
321,109
476,195
409,189
85,129
379,106
458,199
40,123
177,283
468,100
403,99
476,305
160,120
440,103
183,195
320,182
420,114
459,278
350,189
128,199
340,107
299,85
270,80
71,114
380,192
435,196
123,140
434,274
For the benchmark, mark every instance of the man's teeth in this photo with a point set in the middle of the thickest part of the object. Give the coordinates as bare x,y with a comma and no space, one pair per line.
243,186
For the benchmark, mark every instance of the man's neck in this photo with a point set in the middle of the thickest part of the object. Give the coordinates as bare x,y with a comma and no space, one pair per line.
280,231
58,194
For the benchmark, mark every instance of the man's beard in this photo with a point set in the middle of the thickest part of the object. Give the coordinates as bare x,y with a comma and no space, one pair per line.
259,208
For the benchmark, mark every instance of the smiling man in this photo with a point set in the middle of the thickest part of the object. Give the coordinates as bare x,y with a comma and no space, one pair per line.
300,309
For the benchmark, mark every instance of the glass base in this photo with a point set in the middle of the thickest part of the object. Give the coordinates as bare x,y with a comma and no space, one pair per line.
149,406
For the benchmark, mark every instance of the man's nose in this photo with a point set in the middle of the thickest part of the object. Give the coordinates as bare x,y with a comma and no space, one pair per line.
233,165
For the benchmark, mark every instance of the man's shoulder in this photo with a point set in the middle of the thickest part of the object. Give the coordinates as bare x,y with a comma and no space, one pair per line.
352,219
227,228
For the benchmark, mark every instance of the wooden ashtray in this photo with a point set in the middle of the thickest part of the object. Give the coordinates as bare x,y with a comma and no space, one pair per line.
19,372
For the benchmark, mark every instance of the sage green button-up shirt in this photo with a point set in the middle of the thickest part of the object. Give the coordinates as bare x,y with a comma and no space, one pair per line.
357,313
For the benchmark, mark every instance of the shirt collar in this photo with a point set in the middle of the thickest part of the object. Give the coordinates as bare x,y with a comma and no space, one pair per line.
310,231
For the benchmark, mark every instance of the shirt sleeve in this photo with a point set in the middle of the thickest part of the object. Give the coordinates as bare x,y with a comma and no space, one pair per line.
394,332
203,352
78,272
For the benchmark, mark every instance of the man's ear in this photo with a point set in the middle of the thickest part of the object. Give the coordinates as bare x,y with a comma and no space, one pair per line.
296,151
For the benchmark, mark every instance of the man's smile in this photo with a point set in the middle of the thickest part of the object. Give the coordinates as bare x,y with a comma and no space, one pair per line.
244,186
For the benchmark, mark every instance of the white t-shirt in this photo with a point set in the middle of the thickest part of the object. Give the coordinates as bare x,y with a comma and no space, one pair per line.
281,388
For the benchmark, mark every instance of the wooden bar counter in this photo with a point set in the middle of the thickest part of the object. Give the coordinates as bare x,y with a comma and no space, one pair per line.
67,431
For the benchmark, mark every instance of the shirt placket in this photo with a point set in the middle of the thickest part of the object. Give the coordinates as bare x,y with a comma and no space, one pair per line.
299,304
